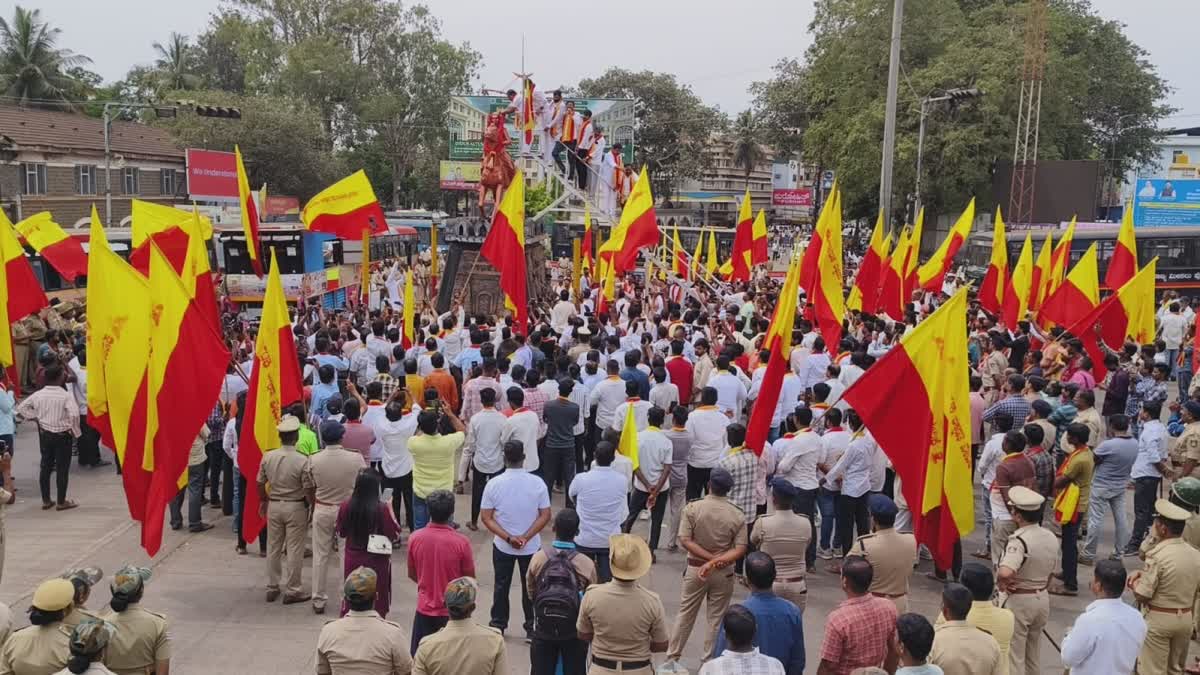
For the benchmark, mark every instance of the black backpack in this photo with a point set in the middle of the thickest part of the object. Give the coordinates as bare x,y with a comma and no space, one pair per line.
556,603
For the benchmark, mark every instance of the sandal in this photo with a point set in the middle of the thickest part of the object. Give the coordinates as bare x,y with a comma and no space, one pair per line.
46,506
66,506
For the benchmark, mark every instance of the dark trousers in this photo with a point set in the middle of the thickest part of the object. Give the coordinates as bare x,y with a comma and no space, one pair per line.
581,171
852,515
600,557
504,565
56,458
580,463
558,464
697,483
216,462
402,495
1145,492
194,493
227,470
805,504
423,625
88,443
572,161
544,656
636,504
479,480
955,564
1070,554
589,443
827,505
7,440
262,535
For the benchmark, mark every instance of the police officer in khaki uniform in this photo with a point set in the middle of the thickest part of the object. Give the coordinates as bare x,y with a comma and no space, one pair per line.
713,532
362,641
141,643
89,645
1187,446
784,535
1185,493
82,580
44,647
331,473
892,554
283,483
1166,589
625,622
462,646
959,647
1023,575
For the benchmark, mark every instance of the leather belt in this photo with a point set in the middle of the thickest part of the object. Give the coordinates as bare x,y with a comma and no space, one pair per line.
890,596
288,500
620,665
692,562
1170,610
321,503
1026,591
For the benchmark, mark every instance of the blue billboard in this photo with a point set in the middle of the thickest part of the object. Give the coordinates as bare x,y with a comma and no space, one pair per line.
1162,202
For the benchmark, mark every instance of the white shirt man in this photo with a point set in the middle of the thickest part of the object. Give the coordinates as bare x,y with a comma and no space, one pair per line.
989,459
1174,329
855,466
516,496
706,431
523,425
374,416
600,497
551,126
1106,638
798,455
664,395
560,315
1152,449
392,437
834,443
731,392
483,448
606,396
518,104
789,398
654,457
640,410
609,169
813,370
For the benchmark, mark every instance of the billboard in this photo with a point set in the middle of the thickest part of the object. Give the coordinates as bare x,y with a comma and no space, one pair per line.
211,175
1159,202
454,175
797,197
466,123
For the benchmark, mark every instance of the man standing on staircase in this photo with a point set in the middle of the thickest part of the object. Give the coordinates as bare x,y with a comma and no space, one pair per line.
567,140
612,179
551,126
586,138
594,159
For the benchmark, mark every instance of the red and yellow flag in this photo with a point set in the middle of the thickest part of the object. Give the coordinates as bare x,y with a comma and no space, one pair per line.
434,262
923,381
608,291
250,219
864,296
164,225
25,294
1039,286
933,272
1129,312
694,266
679,259
408,335
636,229
991,292
586,259
779,342
6,342
826,294
528,123
891,290
1017,291
628,443
742,257
1061,257
65,254
1122,266
274,383
505,249
1077,296
812,253
758,240
118,339
345,209
914,254
187,355
711,263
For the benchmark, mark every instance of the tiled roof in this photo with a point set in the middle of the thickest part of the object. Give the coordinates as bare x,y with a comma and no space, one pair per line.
31,127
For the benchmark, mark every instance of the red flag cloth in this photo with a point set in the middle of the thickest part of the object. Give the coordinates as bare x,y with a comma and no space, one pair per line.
173,242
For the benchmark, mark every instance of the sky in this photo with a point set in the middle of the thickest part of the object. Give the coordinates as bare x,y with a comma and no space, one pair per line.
715,47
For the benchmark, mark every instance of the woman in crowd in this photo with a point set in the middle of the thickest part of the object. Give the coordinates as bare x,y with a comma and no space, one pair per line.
370,530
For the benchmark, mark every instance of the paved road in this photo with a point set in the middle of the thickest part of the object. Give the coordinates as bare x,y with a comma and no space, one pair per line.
214,598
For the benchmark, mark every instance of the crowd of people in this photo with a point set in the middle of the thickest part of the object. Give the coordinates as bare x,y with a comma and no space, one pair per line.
530,426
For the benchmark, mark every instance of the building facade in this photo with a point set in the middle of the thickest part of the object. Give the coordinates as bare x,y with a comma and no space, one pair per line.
54,161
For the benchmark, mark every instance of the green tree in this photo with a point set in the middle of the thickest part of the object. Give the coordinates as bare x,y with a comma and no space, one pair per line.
672,125
33,68
174,64
748,151
1099,94
237,53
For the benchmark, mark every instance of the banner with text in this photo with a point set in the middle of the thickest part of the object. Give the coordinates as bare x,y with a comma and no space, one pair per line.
1159,202
459,175
211,175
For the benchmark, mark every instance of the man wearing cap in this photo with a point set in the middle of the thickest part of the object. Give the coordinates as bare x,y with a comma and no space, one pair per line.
463,646
283,483
784,535
44,647
1166,589
1023,574
624,622
362,641
331,475
1188,445
714,535
892,554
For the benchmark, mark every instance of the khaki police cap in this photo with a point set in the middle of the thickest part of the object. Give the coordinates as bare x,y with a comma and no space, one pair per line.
54,595
288,423
1170,511
1024,498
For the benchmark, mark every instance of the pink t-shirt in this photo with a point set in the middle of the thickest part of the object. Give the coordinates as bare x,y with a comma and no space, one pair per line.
439,555
1084,379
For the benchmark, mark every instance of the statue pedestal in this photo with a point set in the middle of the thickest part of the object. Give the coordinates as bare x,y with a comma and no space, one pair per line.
469,276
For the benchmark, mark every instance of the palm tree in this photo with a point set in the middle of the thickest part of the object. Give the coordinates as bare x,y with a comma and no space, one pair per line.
748,153
33,69
173,63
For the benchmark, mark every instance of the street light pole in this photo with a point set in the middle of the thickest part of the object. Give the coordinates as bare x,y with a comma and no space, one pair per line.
107,168
948,95
889,120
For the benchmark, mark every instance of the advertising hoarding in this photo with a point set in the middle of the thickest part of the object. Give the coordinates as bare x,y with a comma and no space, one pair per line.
455,175
1161,202
466,123
797,197
211,175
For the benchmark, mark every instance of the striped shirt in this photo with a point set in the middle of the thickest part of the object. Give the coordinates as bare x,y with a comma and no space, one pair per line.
53,408
742,464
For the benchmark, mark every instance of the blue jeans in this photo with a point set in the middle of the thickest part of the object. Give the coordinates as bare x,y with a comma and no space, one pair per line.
600,557
827,506
1099,504
773,434
1173,360
420,513
194,492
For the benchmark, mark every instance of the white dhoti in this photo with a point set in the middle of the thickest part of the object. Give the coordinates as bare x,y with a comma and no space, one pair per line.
607,197
547,146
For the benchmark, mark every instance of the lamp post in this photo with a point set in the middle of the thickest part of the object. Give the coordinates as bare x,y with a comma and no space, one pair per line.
953,95
889,120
